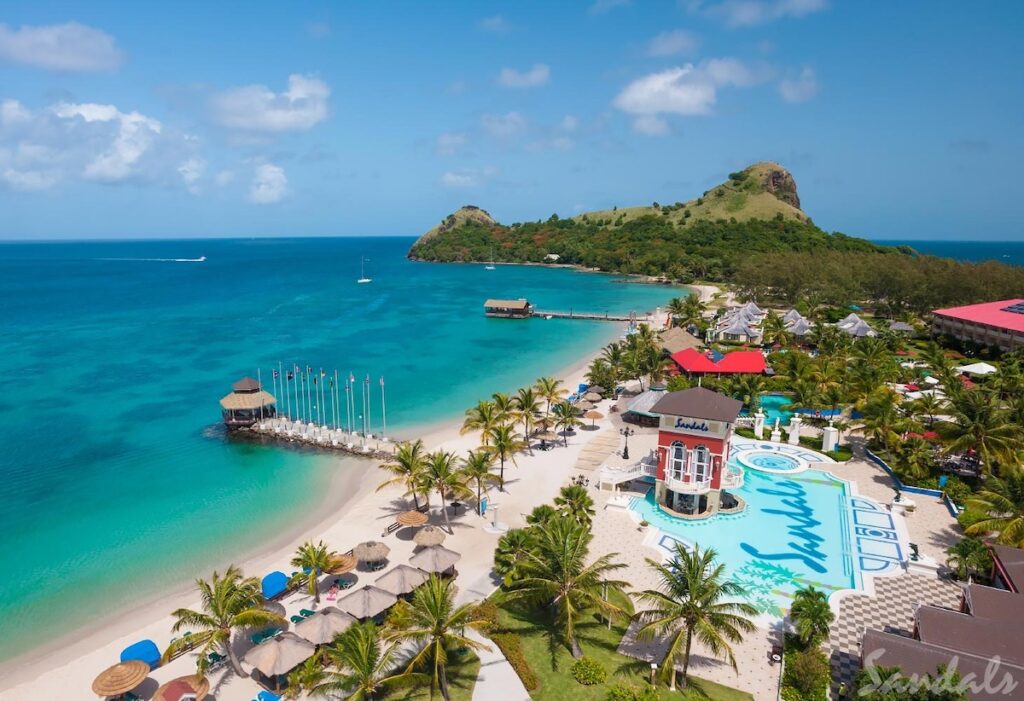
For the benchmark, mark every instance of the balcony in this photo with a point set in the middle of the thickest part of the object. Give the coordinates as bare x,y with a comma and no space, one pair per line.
692,487
731,479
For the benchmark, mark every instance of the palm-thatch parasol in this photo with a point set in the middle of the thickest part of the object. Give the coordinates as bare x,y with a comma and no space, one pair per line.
435,558
401,579
279,655
593,415
120,678
367,602
193,683
371,551
584,405
342,564
546,437
597,389
323,625
592,396
429,535
412,518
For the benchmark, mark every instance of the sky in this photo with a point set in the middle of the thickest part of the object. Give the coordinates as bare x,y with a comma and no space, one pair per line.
196,119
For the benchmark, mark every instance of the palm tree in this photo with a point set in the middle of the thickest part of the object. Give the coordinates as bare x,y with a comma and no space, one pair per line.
505,443
676,308
434,626
505,406
694,599
811,615
774,330
407,469
982,425
483,417
229,602
614,355
968,556
574,502
600,373
693,311
510,552
476,472
364,665
805,394
550,390
528,409
1002,503
566,419
882,419
748,389
914,457
306,677
541,514
440,475
555,574
929,405
314,560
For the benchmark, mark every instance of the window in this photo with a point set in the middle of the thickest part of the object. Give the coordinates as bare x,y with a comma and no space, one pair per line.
677,461
702,463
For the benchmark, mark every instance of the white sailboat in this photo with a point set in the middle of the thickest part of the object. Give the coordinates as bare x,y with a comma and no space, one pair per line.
362,272
490,264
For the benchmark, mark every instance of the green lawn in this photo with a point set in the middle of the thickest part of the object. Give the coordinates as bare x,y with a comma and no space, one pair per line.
462,674
551,662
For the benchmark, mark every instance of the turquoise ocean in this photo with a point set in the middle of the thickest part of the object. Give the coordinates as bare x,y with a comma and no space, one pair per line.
115,480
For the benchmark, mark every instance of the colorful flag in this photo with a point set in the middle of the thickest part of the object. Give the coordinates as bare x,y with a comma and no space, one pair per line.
290,375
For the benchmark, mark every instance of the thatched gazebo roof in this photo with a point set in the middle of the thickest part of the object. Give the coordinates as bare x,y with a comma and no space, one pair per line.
199,685
120,678
371,551
240,401
429,535
412,518
401,579
341,564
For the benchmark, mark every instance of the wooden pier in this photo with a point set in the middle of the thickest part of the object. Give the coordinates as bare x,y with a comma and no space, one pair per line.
280,429
589,316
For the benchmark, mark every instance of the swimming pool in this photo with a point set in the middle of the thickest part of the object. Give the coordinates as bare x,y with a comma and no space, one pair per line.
798,529
771,407
770,461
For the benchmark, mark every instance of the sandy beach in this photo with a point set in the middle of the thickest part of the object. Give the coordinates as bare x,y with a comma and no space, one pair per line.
354,512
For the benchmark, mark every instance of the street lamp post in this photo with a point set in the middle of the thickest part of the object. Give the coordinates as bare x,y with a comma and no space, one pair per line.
627,432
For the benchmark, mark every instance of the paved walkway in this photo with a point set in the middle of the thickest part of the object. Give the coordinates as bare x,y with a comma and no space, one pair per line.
497,680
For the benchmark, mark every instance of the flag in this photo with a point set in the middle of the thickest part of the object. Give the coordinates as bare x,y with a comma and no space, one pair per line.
314,380
309,369
275,374
381,380
290,375
351,377
323,373
367,380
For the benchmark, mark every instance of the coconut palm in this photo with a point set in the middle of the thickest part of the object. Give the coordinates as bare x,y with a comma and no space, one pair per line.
476,473
549,390
982,425
614,355
528,409
929,405
694,600
676,308
573,501
441,476
882,418
805,394
541,514
364,665
1002,503
510,552
748,389
406,469
914,457
504,444
314,560
306,677
693,311
434,626
554,574
811,615
483,417
969,556
600,373
228,602
506,407
774,330
566,419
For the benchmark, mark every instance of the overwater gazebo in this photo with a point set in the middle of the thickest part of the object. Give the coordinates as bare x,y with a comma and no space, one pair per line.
247,404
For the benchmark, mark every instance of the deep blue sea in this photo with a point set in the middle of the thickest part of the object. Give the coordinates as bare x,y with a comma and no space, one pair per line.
1010,252
115,483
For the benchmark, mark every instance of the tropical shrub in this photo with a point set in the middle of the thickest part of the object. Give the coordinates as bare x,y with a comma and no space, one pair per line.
628,692
588,671
512,649
807,676
487,613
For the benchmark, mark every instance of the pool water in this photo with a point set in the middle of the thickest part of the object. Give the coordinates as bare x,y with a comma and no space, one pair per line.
771,407
794,532
771,462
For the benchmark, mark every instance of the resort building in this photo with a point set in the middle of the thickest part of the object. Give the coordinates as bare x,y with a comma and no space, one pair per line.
987,625
854,326
739,324
676,339
508,308
999,324
247,404
694,363
693,452
796,323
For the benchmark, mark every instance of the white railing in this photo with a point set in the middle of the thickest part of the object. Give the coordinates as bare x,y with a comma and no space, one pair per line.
647,467
745,421
731,479
692,487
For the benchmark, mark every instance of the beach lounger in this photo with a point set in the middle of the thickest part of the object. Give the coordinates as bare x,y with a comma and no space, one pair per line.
306,613
267,696
297,619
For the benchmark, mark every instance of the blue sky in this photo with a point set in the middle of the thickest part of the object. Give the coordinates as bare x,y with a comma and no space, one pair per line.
898,120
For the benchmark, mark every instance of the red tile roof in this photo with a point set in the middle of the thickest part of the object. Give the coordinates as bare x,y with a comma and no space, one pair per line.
989,313
735,363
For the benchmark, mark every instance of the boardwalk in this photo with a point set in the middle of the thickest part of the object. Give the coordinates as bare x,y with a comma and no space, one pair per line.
591,316
311,434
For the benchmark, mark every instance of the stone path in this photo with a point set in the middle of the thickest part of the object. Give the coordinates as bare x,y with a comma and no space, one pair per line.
497,681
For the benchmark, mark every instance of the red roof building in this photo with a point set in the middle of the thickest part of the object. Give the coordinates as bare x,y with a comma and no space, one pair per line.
999,324
693,362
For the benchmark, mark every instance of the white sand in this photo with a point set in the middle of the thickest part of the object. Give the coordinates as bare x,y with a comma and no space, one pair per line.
67,668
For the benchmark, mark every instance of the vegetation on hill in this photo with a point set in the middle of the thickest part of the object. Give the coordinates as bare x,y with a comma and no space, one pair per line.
748,231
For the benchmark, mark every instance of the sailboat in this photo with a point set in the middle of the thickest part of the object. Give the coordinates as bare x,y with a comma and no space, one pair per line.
490,265
362,272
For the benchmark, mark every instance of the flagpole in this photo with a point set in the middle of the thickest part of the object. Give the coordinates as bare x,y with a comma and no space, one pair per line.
323,395
309,393
369,405
284,392
334,399
383,410
363,417
295,376
259,381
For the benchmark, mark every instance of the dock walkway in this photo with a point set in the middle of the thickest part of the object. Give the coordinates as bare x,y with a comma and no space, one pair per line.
315,435
591,316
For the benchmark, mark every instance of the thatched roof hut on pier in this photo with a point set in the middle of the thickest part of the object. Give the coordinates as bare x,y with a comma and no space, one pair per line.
247,404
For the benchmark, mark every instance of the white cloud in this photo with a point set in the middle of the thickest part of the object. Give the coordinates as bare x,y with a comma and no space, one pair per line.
599,7
191,171
570,123
13,112
467,177
60,47
650,125
748,13
800,89
677,41
134,135
687,90
258,108
224,178
269,184
450,143
538,75
496,24
503,126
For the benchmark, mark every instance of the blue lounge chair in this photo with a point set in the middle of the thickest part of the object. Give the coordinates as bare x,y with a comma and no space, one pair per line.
144,650
267,696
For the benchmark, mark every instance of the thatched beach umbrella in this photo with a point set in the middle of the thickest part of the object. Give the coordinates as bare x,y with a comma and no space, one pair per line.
593,415
367,602
120,678
584,405
435,559
342,564
592,396
597,389
279,655
193,683
322,626
371,551
401,579
429,535
412,518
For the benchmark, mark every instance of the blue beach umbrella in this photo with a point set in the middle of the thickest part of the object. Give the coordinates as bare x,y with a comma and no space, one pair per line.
144,651
274,584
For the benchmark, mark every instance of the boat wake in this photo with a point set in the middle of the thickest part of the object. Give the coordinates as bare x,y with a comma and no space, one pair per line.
200,259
